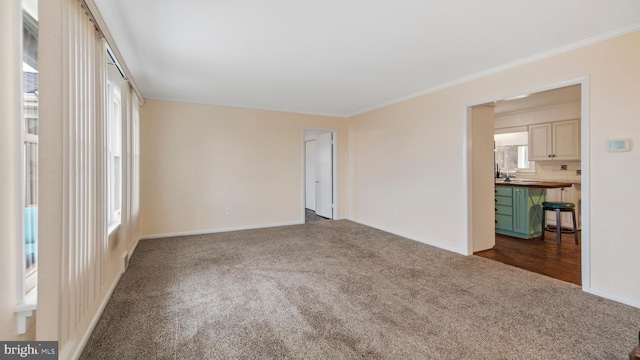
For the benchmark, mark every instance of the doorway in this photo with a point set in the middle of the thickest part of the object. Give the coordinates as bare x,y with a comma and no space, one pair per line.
561,102
319,175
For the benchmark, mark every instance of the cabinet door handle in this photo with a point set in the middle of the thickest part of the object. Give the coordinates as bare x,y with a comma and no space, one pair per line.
496,209
549,155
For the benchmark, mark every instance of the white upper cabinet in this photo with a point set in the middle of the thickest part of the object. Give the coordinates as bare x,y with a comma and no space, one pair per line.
540,142
555,141
566,140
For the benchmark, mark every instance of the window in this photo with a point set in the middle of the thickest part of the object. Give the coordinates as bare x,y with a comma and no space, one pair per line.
512,153
30,144
114,145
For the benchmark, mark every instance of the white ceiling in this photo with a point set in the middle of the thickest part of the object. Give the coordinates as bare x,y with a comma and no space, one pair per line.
339,57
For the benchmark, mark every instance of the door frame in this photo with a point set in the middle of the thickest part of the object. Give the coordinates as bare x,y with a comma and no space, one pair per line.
308,141
584,159
334,170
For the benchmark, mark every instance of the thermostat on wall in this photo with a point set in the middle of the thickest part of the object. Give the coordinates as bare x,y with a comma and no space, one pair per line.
618,145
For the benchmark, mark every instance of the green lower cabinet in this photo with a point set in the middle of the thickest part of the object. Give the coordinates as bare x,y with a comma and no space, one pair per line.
519,211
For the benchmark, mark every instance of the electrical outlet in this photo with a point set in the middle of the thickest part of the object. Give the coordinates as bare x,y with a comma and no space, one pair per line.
563,167
227,211
578,172
396,212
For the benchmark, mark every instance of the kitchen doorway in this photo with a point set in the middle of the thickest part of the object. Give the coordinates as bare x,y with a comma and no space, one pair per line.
562,262
562,102
319,174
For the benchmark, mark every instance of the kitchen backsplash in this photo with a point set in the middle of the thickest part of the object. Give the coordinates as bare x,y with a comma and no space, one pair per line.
554,170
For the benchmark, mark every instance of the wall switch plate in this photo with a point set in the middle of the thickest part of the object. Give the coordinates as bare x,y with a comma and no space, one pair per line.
227,211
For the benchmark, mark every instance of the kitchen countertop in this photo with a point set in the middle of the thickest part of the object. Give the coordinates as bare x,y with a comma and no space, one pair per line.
535,184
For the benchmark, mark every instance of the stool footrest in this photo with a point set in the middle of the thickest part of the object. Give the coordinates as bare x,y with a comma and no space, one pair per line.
559,207
562,230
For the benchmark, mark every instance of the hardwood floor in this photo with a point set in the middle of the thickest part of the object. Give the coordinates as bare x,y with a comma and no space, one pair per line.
562,261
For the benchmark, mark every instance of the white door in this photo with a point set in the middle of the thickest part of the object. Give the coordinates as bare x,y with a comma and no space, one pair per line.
324,175
310,174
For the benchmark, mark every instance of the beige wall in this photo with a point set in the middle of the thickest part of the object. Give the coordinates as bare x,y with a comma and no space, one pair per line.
409,156
197,160
481,157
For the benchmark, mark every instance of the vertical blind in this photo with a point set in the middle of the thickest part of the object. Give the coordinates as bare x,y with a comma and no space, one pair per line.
78,265
84,247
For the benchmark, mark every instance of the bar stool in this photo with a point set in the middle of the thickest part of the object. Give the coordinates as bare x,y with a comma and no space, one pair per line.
559,207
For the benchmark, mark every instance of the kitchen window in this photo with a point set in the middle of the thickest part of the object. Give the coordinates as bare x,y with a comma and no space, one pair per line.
512,152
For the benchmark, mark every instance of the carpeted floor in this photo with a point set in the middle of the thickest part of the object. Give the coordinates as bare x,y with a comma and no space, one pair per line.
340,290
310,215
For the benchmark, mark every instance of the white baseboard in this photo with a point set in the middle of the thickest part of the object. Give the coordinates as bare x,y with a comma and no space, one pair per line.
615,298
213,231
130,252
411,237
79,347
592,291
68,351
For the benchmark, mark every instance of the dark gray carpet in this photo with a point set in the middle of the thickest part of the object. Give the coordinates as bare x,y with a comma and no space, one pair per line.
340,290
310,215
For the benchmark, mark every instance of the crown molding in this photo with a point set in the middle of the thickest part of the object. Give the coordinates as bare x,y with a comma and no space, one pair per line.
501,68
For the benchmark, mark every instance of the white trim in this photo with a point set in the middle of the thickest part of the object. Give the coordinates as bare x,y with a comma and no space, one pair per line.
19,195
409,236
585,161
246,107
615,298
31,7
335,155
536,109
511,65
73,349
133,249
27,310
335,187
77,348
467,180
585,182
65,352
113,228
220,230
478,75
